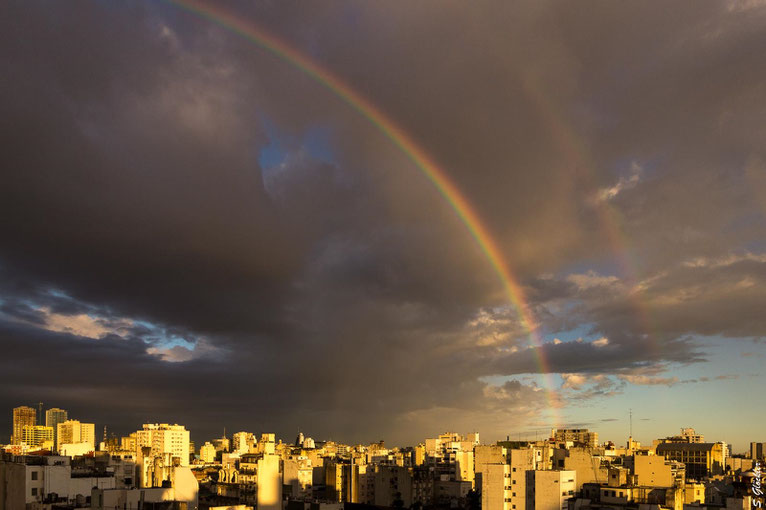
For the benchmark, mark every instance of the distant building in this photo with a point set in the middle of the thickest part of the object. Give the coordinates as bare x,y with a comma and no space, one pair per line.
128,443
657,471
53,417
266,444
38,436
758,451
260,473
222,444
23,416
691,435
163,438
451,441
72,432
501,475
242,442
451,455
297,477
160,448
207,453
687,435
701,459
578,437
589,464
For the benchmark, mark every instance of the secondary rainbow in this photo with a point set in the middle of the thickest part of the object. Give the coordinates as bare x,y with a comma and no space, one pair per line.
577,153
407,145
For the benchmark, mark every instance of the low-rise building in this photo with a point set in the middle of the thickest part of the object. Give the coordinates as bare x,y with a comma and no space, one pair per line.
37,479
701,459
182,489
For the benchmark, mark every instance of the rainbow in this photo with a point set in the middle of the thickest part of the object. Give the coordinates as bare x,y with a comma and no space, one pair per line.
576,151
409,147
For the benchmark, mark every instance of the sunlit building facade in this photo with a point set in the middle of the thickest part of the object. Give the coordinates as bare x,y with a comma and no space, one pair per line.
23,416
38,436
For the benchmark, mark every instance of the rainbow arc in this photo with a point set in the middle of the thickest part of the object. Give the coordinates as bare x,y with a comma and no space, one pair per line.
407,145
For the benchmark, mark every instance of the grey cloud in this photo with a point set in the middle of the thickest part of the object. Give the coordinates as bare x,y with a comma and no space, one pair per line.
349,288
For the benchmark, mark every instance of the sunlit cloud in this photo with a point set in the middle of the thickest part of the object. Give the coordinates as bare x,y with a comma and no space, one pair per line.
624,183
85,325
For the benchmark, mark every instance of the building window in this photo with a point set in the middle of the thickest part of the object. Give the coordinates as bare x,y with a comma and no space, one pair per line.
34,491
34,475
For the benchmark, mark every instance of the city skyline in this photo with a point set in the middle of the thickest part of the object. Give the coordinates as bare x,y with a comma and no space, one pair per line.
121,430
384,220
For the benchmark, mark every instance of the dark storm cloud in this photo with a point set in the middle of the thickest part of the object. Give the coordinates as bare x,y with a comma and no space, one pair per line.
146,254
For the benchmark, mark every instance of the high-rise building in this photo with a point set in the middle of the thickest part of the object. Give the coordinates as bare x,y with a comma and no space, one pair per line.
758,451
38,436
23,416
501,475
53,417
163,438
74,432
207,453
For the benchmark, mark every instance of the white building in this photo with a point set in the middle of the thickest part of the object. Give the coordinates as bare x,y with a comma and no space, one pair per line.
184,488
26,480
165,439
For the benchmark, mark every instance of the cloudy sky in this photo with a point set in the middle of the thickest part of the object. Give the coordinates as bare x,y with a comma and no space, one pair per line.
194,230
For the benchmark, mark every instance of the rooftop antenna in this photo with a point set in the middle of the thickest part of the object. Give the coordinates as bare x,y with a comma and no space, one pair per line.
631,422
